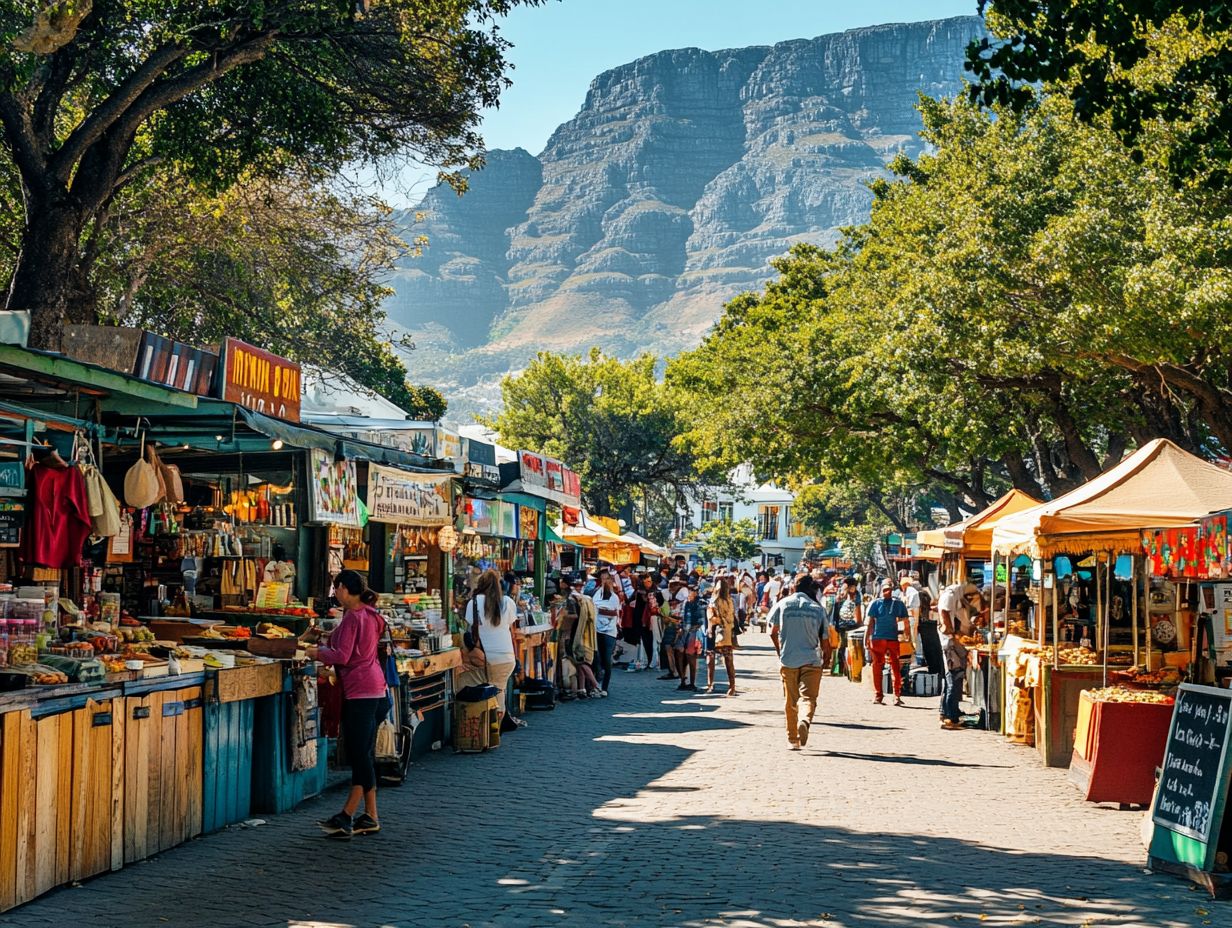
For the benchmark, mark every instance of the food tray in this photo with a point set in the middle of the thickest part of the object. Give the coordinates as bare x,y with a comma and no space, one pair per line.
219,644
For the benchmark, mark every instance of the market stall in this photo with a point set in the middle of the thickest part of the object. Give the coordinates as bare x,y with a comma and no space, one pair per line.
151,687
1078,544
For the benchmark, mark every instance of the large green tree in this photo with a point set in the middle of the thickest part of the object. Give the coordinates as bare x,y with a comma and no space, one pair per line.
614,422
1130,64
1026,300
725,540
94,93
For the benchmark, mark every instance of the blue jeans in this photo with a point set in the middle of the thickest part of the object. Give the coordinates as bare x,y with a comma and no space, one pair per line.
951,693
603,660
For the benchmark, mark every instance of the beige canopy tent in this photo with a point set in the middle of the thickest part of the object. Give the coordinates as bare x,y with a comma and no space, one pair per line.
1158,486
973,535
647,546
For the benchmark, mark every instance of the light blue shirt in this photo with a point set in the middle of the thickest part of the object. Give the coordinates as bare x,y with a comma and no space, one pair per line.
801,622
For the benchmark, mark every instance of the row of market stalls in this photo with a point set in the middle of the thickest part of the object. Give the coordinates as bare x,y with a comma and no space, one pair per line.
1108,641
170,521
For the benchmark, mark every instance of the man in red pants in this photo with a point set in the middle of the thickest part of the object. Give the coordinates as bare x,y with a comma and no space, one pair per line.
881,633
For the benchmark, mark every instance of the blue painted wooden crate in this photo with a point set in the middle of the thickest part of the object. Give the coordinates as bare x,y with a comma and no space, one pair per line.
228,764
275,787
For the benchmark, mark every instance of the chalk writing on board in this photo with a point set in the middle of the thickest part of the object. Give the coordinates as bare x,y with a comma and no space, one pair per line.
1193,768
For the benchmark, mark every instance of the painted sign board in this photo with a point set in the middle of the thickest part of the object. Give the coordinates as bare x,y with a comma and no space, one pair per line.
258,380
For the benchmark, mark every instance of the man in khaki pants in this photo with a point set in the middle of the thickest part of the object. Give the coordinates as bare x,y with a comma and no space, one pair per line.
799,627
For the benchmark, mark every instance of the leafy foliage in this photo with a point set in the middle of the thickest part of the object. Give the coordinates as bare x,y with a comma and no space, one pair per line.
1136,63
613,421
94,94
725,540
1025,301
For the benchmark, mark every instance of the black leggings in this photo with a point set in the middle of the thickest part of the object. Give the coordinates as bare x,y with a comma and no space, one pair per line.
360,720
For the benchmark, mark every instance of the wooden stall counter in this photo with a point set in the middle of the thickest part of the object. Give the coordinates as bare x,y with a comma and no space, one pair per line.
1117,746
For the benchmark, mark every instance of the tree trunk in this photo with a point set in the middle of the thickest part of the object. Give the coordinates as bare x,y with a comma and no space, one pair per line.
46,269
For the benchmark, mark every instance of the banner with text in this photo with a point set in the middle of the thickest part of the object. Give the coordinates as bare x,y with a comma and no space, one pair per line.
407,499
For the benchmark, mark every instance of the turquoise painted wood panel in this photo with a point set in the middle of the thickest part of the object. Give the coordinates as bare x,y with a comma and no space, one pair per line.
228,764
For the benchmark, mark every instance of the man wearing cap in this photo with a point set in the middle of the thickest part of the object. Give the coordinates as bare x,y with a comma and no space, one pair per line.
954,608
800,630
881,633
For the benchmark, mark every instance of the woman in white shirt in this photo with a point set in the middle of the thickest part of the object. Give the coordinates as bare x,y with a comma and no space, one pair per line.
607,624
492,662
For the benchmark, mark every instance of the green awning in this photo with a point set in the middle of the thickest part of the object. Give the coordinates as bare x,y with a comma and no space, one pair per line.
523,499
549,535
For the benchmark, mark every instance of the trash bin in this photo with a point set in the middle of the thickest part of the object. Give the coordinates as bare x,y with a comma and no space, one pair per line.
476,726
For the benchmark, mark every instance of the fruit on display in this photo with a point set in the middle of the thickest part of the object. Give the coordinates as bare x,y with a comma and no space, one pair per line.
1124,694
270,630
20,654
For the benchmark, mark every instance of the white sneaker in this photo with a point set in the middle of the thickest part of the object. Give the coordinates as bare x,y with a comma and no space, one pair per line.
603,694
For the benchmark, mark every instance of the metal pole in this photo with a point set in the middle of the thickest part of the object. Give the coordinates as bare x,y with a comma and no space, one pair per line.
1101,636
1056,621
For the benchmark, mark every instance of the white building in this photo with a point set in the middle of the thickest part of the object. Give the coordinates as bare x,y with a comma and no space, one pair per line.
781,538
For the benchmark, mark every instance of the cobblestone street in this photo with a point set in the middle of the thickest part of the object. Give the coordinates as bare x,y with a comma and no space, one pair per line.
652,809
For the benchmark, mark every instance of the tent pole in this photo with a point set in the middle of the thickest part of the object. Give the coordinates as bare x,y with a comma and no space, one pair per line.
1101,637
1056,621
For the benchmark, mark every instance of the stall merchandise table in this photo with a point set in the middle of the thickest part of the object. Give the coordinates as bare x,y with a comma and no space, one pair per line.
427,692
1117,747
290,762
94,777
1057,695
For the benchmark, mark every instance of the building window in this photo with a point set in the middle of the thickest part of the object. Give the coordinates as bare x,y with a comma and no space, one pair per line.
768,522
726,512
684,525
795,528
710,511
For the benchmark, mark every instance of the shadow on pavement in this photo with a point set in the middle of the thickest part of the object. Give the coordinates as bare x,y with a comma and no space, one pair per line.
569,825
906,759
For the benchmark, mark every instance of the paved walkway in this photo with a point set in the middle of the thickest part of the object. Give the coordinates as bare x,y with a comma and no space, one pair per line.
651,809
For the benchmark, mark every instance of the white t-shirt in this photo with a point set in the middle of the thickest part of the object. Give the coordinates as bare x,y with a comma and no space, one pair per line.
606,624
497,640
772,590
911,599
952,601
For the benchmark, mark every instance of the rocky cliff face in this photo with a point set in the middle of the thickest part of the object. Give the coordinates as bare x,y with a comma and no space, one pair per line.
683,174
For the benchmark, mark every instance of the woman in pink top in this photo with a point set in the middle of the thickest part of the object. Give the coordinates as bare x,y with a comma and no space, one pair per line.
352,652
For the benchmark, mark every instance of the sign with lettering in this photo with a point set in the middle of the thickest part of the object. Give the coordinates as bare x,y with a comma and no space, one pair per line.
254,378
534,470
407,499
12,518
1194,781
12,477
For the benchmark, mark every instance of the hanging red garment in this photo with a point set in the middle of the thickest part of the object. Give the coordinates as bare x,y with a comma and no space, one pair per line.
59,519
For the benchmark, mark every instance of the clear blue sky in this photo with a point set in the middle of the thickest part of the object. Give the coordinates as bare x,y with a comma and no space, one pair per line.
561,46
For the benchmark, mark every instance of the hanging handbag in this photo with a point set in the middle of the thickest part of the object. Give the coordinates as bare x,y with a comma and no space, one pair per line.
141,484
103,506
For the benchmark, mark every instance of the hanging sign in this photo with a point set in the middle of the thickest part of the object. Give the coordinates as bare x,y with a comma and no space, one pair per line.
528,523
407,499
261,381
12,518
333,484
480,461
534,471
1193,785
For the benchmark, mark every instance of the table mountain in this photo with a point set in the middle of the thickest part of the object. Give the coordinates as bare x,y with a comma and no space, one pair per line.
683,174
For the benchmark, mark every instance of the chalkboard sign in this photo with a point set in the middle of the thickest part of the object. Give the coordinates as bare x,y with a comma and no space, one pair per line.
1194,778
12,518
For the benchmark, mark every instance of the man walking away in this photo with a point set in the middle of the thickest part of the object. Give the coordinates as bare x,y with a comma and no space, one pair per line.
881,631
799,626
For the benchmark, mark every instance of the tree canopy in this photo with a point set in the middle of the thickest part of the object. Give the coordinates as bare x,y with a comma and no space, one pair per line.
726,540
1025,300
614,422
1134,64
95,93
